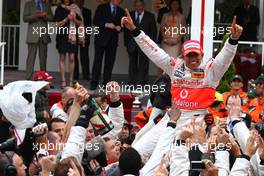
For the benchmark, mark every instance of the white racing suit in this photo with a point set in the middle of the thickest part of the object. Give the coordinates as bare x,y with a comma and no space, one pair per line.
192,91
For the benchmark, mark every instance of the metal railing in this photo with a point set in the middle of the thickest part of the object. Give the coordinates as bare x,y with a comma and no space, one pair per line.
2,47
251,44
10,35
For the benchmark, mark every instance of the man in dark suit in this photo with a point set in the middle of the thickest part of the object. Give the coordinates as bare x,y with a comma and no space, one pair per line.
138,62
248,17
108,18
84,51
37,14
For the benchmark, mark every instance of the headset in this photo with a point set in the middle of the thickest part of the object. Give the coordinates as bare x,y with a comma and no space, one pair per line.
10,169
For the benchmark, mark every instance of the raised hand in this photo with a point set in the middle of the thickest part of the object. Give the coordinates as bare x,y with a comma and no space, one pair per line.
261,147
187,131
174,114
161,170
113,89
210,168
222,137
199,135
223,123
73,171
235,149
40,129
236,30
234,107
251,146
128,22
211,144
48,163
81,95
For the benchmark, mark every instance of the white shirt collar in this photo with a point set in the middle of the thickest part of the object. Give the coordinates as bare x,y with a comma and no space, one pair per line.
141,14
112,5
140,17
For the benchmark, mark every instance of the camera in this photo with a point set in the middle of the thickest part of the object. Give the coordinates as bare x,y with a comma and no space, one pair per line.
96,154
86,164
197,166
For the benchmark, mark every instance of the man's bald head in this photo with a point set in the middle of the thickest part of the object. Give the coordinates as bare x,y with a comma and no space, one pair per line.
67,93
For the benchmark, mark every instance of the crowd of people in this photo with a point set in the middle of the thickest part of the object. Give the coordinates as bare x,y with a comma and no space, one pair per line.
62,141
190,129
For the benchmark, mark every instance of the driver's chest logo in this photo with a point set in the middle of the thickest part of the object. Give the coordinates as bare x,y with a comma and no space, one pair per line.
184,94
198,73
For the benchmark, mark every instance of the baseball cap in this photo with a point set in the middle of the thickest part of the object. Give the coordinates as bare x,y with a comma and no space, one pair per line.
259,80
43,76
237,77
219,97
191,46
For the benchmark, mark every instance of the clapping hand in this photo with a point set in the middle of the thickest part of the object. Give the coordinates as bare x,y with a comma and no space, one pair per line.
251,145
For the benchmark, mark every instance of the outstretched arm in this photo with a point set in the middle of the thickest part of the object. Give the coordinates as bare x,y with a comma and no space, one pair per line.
221,63
149,47
116,110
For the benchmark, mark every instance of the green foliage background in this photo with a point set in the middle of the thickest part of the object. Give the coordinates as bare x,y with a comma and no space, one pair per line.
224,83
227,9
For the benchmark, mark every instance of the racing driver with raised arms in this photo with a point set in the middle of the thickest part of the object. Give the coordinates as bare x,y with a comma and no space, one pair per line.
192,88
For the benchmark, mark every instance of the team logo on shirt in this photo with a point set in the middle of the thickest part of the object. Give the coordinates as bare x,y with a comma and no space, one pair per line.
184,94
198,73
180,72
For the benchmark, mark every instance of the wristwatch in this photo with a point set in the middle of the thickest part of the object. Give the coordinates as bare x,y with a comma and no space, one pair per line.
171,124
